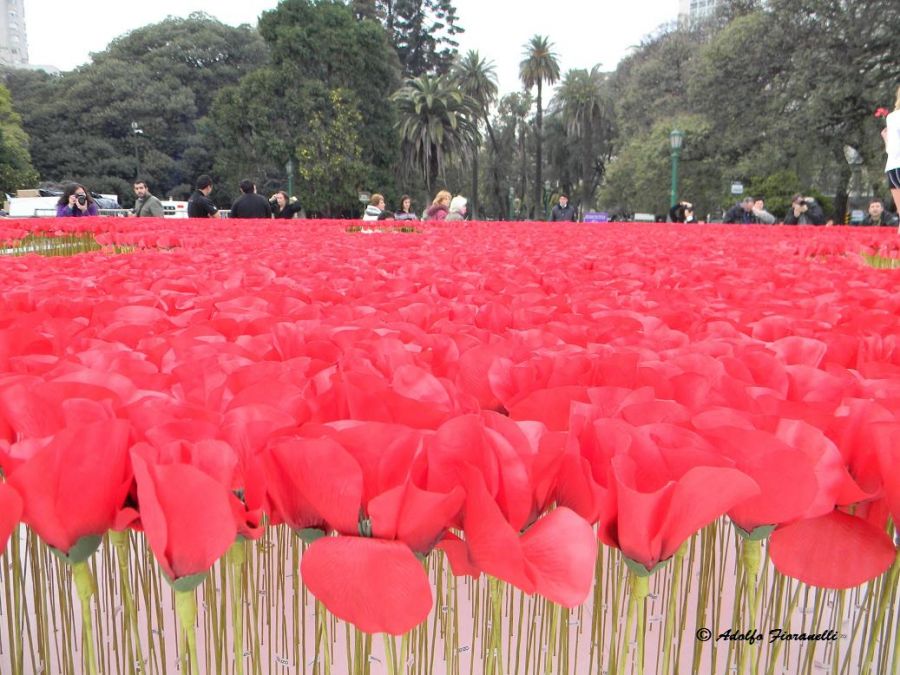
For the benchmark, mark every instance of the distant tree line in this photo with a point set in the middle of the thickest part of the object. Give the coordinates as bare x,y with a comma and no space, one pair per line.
341,98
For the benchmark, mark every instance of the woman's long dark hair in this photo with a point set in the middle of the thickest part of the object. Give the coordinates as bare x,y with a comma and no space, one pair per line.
70,190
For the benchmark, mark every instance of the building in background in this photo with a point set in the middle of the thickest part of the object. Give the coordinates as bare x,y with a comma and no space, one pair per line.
690,11
13,40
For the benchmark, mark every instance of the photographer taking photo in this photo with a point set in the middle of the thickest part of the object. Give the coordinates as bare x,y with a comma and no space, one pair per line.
76,201
682,212
804,211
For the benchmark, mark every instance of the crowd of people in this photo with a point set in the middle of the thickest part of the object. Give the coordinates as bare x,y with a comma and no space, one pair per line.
804,210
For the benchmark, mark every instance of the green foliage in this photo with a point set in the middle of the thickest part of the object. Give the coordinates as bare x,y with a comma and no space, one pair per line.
330,155
15,162
162,77
421,31
541,64
639,179
783,86
322,42
437,122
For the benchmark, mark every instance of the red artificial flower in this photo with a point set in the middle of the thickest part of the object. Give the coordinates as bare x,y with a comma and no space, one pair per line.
74,485
836,550
881,112
555,557
10,512
186,515
378,586
313,483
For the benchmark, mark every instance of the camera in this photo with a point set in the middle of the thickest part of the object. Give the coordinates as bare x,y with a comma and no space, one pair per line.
81,199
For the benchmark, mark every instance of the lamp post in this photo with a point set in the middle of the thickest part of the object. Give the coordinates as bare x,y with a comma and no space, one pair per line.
289,167
546,200
135,132
676,139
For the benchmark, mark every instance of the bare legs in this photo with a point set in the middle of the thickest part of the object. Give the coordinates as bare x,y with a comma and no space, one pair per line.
895,192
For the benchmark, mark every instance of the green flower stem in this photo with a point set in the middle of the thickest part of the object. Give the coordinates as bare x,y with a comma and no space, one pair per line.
751,554
670,609
322,637
84,583
237,556
121,544
629,625
553,610
186,609
890,582
390,655
495,656
640,589
786,621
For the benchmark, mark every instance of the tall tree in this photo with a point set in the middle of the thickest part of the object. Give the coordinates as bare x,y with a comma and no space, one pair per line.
423,32
477,79
584,104
15,161
540,65
322,103
161,76
437,122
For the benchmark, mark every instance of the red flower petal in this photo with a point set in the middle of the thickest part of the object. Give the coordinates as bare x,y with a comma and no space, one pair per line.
314,481
186,516
414,516
832,551
378,586
54,482
493,544
561,552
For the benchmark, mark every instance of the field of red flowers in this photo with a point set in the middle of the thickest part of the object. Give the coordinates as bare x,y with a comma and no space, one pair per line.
516,399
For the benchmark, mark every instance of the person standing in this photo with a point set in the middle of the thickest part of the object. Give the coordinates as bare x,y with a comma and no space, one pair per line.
877,216
891,136
283,206
200,205
76,201
250,204
457,208
439,208
405,212
375,209
804,211
563,211
145,204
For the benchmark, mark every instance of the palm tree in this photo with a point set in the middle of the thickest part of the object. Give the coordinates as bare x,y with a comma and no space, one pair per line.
436,123
580,98
539,65
477,79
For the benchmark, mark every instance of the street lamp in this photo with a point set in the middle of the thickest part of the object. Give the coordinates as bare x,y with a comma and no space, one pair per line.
135,132
676,138
289,167
546,200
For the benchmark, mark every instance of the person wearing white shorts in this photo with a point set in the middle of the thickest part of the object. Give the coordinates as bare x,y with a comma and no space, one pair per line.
891,136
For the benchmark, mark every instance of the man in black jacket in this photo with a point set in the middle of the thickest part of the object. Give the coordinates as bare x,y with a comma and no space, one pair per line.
804,211
877,216
563,211
250,204
199,204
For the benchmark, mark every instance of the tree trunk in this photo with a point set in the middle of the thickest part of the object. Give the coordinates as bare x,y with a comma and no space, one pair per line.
538,206
587,166
495,172
842,194
474,210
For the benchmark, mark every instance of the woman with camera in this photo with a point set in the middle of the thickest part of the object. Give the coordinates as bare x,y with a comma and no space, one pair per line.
76,201
284,206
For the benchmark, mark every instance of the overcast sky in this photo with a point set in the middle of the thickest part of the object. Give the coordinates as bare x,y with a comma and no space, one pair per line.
585,32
